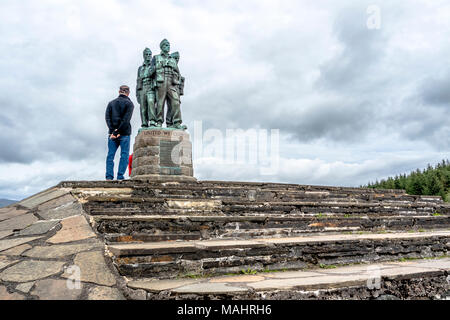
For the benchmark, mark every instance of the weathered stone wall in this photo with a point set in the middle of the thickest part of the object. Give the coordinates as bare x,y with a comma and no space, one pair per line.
428,287
166,261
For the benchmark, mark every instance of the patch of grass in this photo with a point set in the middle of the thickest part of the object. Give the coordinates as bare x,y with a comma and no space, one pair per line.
438,257
347,215
325,266
410,259
436,214
272,271
320,215
249,271
422,230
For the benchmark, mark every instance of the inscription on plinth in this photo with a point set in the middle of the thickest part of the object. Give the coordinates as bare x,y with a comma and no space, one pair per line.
166,149
159,154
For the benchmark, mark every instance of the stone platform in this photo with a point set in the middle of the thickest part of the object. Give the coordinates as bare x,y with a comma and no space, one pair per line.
162,155
135,239
392,280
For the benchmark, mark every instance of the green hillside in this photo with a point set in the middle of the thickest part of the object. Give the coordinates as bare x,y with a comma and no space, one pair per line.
430,181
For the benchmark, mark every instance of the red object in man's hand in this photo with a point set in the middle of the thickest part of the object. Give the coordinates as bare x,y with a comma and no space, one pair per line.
130,164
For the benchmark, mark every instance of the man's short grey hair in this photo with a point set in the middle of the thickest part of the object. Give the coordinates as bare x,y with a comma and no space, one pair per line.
124,89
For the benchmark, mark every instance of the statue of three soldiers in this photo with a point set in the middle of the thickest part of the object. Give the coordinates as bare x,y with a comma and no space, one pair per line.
158,81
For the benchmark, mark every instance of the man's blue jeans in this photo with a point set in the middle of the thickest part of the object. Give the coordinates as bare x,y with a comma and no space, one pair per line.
113,145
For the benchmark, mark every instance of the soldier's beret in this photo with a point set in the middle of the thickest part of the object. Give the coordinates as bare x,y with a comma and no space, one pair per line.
162,42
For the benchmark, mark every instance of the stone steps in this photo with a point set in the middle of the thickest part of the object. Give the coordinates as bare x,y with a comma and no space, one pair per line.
161,228
159,206
417,279
252,191
177,229
171,259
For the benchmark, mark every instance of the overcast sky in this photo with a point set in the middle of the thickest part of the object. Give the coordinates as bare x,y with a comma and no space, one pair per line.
352,103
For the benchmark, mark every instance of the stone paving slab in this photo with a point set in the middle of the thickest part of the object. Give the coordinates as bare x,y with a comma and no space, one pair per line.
402,271
25,287
5,261
195,204
17,251
159,285
30,270
441,264
104,293
42,197
291,274
227,244
73,229
4,234
154,247
5,295
353,269
310,283
50,289
58,251
39,227
233,279
11,213
62,212
66,199
99,191
93,268
210,288
11,243
18,223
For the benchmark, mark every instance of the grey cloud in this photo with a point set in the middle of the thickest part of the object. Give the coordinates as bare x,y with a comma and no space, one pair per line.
354,69
436,90
333,121
252,64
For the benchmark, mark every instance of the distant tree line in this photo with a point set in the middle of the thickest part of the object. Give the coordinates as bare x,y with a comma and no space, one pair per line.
433,181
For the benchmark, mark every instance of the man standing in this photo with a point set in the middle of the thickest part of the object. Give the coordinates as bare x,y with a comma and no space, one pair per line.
167,82
118,115
145,92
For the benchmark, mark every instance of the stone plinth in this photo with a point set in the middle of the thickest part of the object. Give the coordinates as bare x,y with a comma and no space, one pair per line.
161,154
